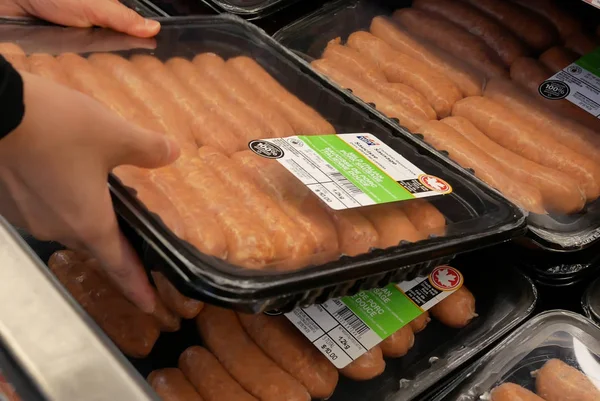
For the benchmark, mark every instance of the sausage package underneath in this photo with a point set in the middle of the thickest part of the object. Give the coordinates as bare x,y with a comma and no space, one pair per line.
554,356
591,301
506,89
266,205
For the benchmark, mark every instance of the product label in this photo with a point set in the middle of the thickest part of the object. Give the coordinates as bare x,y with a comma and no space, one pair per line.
350,170
595,3
579,83
344,329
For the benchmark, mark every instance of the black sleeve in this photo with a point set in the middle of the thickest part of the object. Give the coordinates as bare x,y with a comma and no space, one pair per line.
12,108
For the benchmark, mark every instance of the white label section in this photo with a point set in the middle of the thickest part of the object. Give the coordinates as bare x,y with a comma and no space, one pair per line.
342,336
583,88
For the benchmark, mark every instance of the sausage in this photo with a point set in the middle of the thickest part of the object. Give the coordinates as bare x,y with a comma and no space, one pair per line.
580,43
87,79
557,58
399,343
303,119
497,37
515,134
296,200
560,192
243,359
283,343
419,323
293,246
356,234
201,228
530,74
7,391
425,217
133,331
565,23
457,310
408,117
392,225
167,320
512,392
46,66
532,28
248,242
469,82
209,377
150,97
242,123
367,366
155,201
452,38
465,153
185,307
397,67
354,61
171,385
576,137
207,128
15,55
273,124
557,381
363,68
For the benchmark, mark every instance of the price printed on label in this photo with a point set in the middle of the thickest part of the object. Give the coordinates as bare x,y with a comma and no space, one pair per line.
350,170
344,329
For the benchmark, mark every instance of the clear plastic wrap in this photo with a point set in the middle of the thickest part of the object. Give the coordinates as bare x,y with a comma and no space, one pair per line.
554,355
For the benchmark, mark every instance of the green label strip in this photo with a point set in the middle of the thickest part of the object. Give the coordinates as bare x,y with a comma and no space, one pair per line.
385,310
379,186
591,62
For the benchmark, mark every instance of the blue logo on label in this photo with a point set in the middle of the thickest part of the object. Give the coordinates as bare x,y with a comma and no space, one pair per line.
367,140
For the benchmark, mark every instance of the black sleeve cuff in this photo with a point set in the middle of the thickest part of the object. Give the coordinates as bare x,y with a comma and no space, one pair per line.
11,98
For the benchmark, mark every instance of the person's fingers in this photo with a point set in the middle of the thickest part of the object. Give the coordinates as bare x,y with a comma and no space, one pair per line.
139,147
121,264
116,16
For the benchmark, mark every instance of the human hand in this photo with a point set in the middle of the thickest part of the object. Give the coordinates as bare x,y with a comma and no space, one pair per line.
53,177
84,14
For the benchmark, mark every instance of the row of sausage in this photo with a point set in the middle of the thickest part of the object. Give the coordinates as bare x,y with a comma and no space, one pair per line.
555,381
214,193
277,352
541,154
284,365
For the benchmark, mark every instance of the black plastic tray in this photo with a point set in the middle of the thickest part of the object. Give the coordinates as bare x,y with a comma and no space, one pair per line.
503,301
308,37
247,9
477,216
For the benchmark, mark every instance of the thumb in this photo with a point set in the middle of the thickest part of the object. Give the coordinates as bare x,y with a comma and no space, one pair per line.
142,148
114,15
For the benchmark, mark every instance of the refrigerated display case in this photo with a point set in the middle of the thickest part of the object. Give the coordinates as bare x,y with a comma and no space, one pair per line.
50,348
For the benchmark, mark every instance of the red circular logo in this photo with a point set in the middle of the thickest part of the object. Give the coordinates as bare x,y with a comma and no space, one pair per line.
446,278
435,184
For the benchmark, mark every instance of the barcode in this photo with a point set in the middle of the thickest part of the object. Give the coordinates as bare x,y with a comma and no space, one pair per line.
346,184
352,320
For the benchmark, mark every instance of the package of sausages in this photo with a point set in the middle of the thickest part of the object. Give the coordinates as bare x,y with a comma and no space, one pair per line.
285,191
591,301
506,89
214,350
554,356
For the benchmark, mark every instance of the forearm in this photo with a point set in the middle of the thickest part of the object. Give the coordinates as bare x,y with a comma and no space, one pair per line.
11,98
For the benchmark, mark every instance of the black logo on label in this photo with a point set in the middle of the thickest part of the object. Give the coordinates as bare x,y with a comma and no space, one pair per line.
554,90
266,149
575,70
